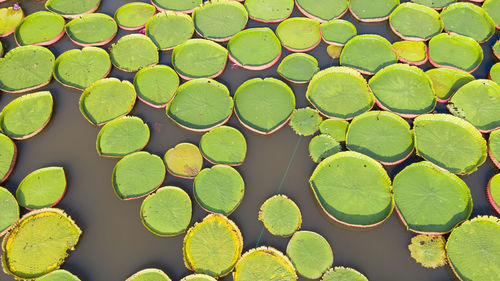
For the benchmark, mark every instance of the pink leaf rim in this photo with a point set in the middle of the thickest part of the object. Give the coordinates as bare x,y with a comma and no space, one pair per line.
58,200
409,38
187,78
135,70
415,63
160,9
490,197
301,50
256,68
493,159
367,20
13,30
156,105
448,66
96,44
218,40
45,43
308,15
406,116
201,130
132,28
12,164
480,42
141,196
262,132
79,89
416,231
28,89
81,14
270,21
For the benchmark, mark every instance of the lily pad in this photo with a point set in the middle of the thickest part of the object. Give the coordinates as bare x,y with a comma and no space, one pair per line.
26,68
368,53
167,212
479,103
403,89
411,52
169,29
446,82
492,7
184,6
372,10
134,16
415,22
494,147
340,273
340,92
27,115
42,188
213,246
94,29
219,20
198,277
269,11
323,10
10,19
254,48
337,32
280,215
473,243
305,121
26,253
199,58
322,147
133,52
8,150
334,51
469,20
264,105
428,250
137,175
10,210
72,9
201,105
107,99
435,4
493,192
299,34
156,85
40,28
59,275
298,68
495,73
335,128
384,136
353,189
122,136
79,69
223,180
184,160
496,49
310,253
224,145
149,274
264,263
449,142
430,200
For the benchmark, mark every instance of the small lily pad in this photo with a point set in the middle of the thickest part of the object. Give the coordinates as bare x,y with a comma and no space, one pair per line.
169,29
42,188
469,20
184,160
167,212
201,105
8,150
223,180
59,275
264,263
134,16
269,11
10,19
133,52
340,273
322,147
411,52
94,29
72,9
435,4
446,82
384,136
494,147
156,85
323,10
310,253
122,136
299,34
493,192
79,69
107,99
27,115
496,49
10,210
213,246
40,28
305,121
26,253
415,22
137,175
254,48
35,63
264,105
428,250
224,145
280,215
340,92
368,53
492,7
495,73
403,89
199,58
335,128
449,142
430,200
337,32
334,51
183,6
219,20
298,68
372,10
198,277
149,274
353,189
472,244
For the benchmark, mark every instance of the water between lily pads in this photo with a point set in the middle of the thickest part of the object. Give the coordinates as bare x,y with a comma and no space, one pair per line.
115,244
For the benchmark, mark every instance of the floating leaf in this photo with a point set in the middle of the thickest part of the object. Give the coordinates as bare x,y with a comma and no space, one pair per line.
219,20
411,52
428,250
8,151
299,34
176,5
305,121
133,52
334,51
337,32
169,29
122,136
10,19
340,273
469,20
42,188
224,145
198,277
323,10
494,147
254,48
323,146
184,160
335,128
72,9
40,28
269,11
156,85
280,215
495,73
455,52
372,10
59,275
446,82
435,4
492,7
415,22
264,263
134,16
94,29
199,58
10,210
310,253
493,192
298,68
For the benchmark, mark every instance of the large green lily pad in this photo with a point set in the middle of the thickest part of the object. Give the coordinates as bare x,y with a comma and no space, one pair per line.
322,146
469,20
184,6
134,16
199,58
264,263
494,147
495,73
122,136
372,10
449,142
39,243
9,19
446,82
167,212
10,210
493,192
219,20
269,11
492,7
264,105
335,128
224,145
72,8
323,10
305,121
310,253
337,32
198,277
184,160
280,215
169,29
157,85
42,188
455,52
417,22
428,250
137,175
435,4
254,48
411,52
40,28
27,115
59,275
340,273
149,274
26,68
299,34
133,52
213,246
298,68
94,29
8,150
81,68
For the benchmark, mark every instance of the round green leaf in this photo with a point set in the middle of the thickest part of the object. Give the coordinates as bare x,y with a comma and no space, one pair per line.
411,52
280,215
469,20
269,11
446,82
156,85
495,73
8,150
184,6
496,49
254,48
59,275
149,274
337,32
494,147
298,67
323,10
334,51
199,58
198,277
417,22
10,210
40,28
134,16
310,253
428,250
493,192
335,128
305,121
94,29
169,29
224,145
299,34
372,10
435,4
264,263
42,188
10,19
133,52
323,146
184,160
219,20
122,136
72,9
492,7
340,273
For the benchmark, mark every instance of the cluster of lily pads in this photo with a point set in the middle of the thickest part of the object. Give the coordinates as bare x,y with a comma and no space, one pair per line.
352,187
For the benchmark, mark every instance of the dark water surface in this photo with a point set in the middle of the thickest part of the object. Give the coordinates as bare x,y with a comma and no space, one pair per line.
115,244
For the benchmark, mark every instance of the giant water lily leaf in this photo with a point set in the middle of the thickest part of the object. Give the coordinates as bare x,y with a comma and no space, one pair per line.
42,188
435,4
40,28
185,6
224,145
157,85
299,34
72,8
122,136
428,250
411,52
255,48
10,210
310,253
446,82
493,192
337,32
199,58
469,20
495,73
149,274
298,67
455,52
169,29
323,146
494,147
8,150
219,20
305,121
335,128
264,263
59,275
340,273
269,11
94,29
134,16
198,277
133,52
323,10
412,21
184,160
492,7
280,215
372,10
9,19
